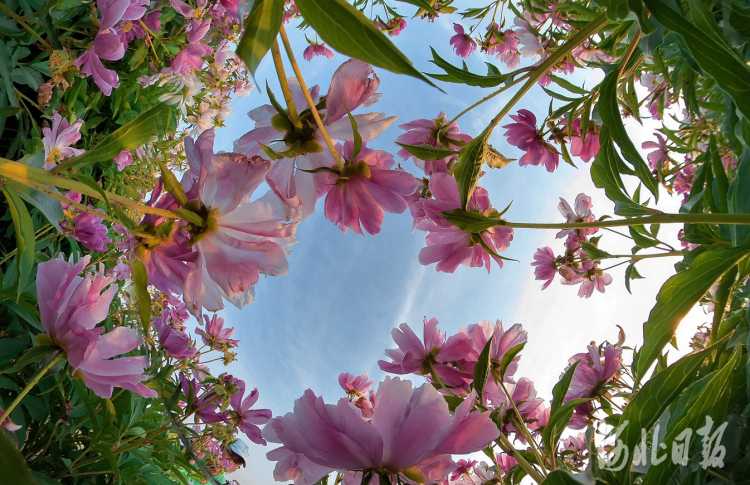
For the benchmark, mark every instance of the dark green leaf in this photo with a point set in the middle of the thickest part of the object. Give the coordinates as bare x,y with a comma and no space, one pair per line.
562,477
508,359
559,421
423,5
15,470
261,27
482,369
469,166
172,186
561,388
140,285
592,252
25,236
34,354
457,75
426,152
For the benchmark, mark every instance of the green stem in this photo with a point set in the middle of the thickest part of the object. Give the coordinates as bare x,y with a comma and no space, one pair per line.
10,13
490,96
637,257
524,431
279,64
437,379
33,382
738,219
505,445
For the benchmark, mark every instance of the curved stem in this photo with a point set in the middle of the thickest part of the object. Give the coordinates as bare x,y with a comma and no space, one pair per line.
524,431
737,219
279,64
33,382
508,448
490,96
313,110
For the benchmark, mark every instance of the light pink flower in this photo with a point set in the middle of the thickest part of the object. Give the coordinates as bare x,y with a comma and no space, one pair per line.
505,462
463,467
585,148
462,43
123,159
546,265
176,344
114,11
108,46
58,138
593,372
659,158
410,428
366,188
70,306
524,398
683,183
393,27
317,50
593,278
574,449
448,245
246,419
503,341
355,386
424,132
524,135
582,213
215,335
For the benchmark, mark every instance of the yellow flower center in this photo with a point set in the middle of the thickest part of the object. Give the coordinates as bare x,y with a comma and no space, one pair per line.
54,156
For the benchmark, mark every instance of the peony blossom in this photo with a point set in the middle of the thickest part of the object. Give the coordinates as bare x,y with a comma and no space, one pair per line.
582,213
88,229
215,335
317,50
593,372
546,265
462,43
175,343
524,398
411,432
659,158
70,306
58,138
524,135
114,11
366,188
585,148
246,419
426,132
503,341
355,386
447,245
123,159
108,46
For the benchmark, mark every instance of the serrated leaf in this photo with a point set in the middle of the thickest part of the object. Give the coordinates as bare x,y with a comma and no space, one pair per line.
482,369
495,159
347,30
260,29
426,152
678,295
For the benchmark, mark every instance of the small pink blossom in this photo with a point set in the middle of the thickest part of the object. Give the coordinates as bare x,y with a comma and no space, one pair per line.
524,135
425,132
582,213
108,46
393,27
585,148
462,43
355,386
215,335
546,265
659,158
8,424
123,159
463,467
594,371
317,50
176,343
683,183
246,419
58,138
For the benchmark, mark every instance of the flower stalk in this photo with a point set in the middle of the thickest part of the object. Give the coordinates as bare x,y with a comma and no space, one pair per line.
279,65
33,382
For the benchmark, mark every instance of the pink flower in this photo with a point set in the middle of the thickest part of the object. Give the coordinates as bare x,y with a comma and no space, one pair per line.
57,140
588,148
70,306
317,50
503,341
108,46
448,245
582,213
462,43
176,343
593,278
593,372
546,265
524,398
215,335
240,242
123,159
120,272
425,132
414,356
206,404
8,424
410,428
659,158
684,181
463,467
355,386
505,462
365,188
524,135
113,11
575,449
246,419
88,229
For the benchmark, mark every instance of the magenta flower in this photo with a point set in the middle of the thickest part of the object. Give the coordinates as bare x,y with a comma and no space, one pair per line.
424,132
462,43
123,159
410,428
659,158
114,11
588,148
317,50
355,386
57,140
240,242
683,183
503,341
88,229
448,245
574,449
462,467
108,46
176,343
524,398
524,135
206,404
70,306
215,335
593,372
546,265
365,188
415,357
582,213
505,462
246,419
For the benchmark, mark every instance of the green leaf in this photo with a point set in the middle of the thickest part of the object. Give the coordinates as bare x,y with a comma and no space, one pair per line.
426,152
25,236
739,198
261,27
561,388
347,30
130,136
559,421
482,369
470,221
631,274
707,397
592,252
508,359
91,183
678,295
650,402
469,166
15,470
34,354
171,185
611,118
142,296
423,5
355,133
563,477
711,52
461,76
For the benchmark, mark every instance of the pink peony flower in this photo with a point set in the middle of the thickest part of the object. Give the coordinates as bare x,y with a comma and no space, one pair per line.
683,183
365,188
114,11
659,158
524,398
463,467
206,404
88,229
582,213
524,135
246,419
574,449
108,46
425,132
70,306
57,140
503,341
176,343
215,335
355,386
593,372
410,428
123,159
462,43
448,245
593,278
317,50
505,462
546,265
588,148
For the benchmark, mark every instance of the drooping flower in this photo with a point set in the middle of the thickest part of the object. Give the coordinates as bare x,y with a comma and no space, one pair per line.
215,335
462,43
355,386
449,246
582,213
123,159
593,278
587,147
58,138
317,50
176,344
70,306
546,265
659,158
426,132
108,46
524,135
88,229
411,430
393,27
246,419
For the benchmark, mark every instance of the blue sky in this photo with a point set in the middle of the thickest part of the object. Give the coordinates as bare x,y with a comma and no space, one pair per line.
334,310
